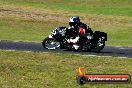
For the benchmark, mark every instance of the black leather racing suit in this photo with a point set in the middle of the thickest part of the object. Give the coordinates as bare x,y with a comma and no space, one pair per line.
73,33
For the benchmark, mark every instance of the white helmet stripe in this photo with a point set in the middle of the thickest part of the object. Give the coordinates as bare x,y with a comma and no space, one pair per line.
71,19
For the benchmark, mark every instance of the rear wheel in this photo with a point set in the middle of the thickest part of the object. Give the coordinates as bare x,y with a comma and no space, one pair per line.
50,43
99,41
98,48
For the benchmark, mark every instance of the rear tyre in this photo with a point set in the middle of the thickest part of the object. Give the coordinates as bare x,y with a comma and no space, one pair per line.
98,48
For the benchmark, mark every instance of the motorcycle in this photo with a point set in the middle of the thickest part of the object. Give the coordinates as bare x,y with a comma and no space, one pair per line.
58,39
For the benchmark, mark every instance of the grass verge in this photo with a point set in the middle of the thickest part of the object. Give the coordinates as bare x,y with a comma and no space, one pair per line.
49,70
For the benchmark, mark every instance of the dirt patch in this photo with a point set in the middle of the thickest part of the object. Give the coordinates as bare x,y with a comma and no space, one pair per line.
38,15
61,16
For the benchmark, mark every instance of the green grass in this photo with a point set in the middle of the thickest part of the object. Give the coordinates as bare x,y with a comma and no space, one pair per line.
108,7
41,70
25,30
31,20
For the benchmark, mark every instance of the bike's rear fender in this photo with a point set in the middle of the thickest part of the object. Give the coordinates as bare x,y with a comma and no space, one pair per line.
101,34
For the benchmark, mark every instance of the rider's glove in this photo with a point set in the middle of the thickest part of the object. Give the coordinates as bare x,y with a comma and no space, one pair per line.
73,40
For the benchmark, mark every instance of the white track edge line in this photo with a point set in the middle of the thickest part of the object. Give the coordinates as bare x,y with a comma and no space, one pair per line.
90,55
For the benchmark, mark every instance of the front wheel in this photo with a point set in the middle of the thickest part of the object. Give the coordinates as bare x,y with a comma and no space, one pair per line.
50,43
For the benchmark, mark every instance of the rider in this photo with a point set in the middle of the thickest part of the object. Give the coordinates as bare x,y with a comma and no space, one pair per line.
78,32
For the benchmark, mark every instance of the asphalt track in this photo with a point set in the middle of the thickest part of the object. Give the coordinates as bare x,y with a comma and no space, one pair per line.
37,47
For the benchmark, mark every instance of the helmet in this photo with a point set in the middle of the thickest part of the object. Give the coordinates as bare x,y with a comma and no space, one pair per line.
74,21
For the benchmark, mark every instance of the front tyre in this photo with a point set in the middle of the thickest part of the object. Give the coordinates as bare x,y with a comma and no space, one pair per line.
50,43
